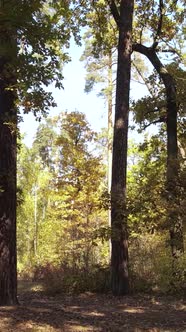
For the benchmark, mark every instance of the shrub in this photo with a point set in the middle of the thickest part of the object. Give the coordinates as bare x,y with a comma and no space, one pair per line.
66,280
151,265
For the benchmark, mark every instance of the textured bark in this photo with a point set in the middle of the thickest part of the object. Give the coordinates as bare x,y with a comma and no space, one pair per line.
8,277
119,257
110,133
8,274
174,218
110,126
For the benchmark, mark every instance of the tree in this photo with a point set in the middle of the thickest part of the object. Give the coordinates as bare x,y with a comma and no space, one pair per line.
162,37
155,20
146,180
119,259
30,58
69,213
44,143
157,111
8,289
33,186
100,69
122,12
80,175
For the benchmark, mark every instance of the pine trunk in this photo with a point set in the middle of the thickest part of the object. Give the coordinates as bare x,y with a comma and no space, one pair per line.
119,256
110,134
8,271
110,125
8,277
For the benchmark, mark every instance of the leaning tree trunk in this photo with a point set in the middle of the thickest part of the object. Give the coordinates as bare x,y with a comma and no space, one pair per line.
119,256
8,274
172,186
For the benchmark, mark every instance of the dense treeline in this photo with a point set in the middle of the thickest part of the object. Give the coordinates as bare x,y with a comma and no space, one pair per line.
60,189
63,226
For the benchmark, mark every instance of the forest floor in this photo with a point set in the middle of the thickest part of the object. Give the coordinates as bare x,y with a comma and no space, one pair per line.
38,312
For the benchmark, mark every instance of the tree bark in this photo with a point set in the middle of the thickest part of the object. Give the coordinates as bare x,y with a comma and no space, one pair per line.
119,256
8,127
174,218
110,134
8,274
110,125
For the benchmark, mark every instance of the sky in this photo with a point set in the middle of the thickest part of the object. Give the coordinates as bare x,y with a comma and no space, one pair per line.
73,97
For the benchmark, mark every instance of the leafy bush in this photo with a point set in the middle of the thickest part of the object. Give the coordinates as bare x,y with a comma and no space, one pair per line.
151,265
63,279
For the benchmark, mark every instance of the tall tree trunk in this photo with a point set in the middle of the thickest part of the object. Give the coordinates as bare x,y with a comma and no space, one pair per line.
173,204
35,221
110,135
8,127
8,277
110,125
119,258
173,200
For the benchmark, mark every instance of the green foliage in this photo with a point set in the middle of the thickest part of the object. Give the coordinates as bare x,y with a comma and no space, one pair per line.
151,265
44,143
70,242
104,38
152,108
146,185
158,20
62,185
42,30
33,181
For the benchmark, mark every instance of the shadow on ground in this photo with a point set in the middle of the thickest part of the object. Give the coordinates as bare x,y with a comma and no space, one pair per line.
91,312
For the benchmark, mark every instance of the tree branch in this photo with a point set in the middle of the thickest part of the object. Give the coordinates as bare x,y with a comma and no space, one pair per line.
167,78
169,50
150,53
158,32
143,78
114,11
160,120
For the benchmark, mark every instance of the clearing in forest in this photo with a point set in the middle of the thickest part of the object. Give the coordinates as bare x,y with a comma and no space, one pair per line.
39,312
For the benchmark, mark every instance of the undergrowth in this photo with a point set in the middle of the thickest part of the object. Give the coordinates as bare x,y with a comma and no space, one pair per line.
151,270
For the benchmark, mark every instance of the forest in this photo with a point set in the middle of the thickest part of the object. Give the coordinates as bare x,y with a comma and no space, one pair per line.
92,224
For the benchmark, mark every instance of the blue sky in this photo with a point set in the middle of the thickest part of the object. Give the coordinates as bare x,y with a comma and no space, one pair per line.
73,97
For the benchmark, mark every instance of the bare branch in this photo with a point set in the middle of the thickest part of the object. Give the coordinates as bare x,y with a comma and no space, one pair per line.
137,81
143,78
169,50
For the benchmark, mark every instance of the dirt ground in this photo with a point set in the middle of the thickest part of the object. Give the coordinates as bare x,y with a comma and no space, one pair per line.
38,312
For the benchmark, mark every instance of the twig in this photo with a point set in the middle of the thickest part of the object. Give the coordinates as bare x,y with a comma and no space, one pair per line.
143,78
